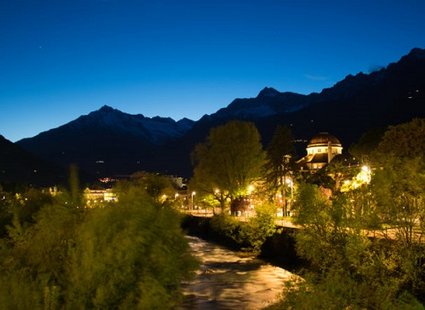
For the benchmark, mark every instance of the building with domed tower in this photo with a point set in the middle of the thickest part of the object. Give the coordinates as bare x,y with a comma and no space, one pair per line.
321,149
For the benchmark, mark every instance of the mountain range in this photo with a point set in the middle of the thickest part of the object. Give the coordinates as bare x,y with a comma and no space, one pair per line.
110,142
18,166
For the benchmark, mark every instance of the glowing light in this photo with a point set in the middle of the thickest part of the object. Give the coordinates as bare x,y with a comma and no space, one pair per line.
364,175
362,178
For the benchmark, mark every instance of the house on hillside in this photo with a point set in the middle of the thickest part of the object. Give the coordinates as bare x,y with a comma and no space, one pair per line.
321,149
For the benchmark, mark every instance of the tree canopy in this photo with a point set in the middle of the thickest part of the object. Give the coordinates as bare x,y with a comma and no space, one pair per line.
404,140
279,156
229,160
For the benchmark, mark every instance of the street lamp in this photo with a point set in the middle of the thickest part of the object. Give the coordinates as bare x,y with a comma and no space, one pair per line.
285,164
290,182
193,194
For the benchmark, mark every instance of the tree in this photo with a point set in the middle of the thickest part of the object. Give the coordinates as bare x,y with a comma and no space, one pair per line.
367,143
398,187
158,187
279,162
76,197
132,255
406,140
348,270
399,184
228,162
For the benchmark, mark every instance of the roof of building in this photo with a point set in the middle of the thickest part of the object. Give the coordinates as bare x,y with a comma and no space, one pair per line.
314,159
322,139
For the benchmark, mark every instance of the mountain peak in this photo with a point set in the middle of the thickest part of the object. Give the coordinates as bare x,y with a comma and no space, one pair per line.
417,53
268,92
107,109
185,119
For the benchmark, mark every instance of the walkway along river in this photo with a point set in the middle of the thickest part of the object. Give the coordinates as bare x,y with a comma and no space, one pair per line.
229,280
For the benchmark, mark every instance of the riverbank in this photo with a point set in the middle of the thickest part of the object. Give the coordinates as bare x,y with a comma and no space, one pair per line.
279,249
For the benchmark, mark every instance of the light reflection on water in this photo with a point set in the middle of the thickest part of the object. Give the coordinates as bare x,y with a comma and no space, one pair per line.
227,280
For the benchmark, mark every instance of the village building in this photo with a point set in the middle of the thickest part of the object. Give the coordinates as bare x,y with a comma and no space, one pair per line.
321,149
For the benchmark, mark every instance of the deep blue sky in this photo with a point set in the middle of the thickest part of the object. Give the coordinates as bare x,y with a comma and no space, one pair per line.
63,58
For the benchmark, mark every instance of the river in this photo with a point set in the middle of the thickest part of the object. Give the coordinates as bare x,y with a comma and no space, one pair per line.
229,280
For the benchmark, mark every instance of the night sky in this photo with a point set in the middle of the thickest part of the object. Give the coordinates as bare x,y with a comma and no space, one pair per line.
64,58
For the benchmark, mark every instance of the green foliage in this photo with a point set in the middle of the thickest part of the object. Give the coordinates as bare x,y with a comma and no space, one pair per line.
29,203
19,291
399,185
156,186
249,235
399,189
335,173
348,270
38,254
129,255
367,143
279,164
404,140
142,253
261,226
228,161
6,213
340,290
282,144
20,208
321,178
76,197
229,227
311,205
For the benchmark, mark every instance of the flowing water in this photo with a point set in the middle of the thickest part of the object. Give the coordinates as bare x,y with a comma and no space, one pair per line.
228,280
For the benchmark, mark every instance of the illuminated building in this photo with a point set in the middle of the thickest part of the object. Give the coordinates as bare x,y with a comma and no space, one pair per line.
95,196
321,149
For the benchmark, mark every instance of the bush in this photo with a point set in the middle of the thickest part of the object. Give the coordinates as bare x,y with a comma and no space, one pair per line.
129,255
250,235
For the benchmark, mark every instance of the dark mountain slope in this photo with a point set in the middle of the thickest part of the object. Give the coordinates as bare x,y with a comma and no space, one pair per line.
109,142
20,167
392,95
